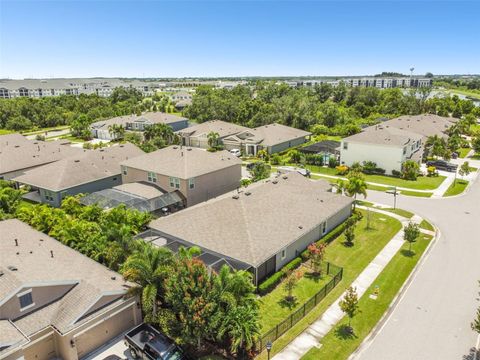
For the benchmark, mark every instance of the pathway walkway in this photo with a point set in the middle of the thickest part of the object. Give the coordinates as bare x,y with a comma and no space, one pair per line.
315,332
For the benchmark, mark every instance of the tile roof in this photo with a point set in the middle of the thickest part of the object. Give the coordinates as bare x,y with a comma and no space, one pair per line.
273,134
19,153
10,335
223,129
35,266
265,218
146,191
89,166
425,125
183,162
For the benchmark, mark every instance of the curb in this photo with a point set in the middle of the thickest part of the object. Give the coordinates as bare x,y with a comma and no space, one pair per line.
381,323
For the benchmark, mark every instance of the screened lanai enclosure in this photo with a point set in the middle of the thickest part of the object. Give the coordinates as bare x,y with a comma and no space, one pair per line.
211,259
137,196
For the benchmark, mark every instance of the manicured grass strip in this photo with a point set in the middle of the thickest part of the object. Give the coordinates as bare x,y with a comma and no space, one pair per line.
41,131
416,193
401,212
462,152
426,225
274,309
337,344
422,182
354,260
456,188
6,132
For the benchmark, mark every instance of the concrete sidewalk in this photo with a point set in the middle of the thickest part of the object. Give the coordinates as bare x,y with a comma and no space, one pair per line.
314,333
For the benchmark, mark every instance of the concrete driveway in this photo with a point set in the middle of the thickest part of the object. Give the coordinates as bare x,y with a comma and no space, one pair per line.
432,319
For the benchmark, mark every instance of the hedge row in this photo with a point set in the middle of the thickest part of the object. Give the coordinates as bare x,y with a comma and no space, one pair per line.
270,283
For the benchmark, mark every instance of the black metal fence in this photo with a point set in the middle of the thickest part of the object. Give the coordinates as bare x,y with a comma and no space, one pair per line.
285,325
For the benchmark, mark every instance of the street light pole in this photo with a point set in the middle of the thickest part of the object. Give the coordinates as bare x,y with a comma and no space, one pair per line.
269,347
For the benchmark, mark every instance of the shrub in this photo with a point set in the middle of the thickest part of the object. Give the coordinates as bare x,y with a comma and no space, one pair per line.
271,282
332,162
432,171
245,182
396,173
275,159
40,137
342,170
314,159
369,167
410,170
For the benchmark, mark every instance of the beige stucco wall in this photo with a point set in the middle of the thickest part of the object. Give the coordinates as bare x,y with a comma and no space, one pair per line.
207,186
41,295
49,343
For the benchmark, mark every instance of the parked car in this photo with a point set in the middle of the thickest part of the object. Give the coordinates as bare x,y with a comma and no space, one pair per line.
236,152
443,165
146,342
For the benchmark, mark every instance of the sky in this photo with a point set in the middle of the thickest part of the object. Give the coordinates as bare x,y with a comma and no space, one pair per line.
40,39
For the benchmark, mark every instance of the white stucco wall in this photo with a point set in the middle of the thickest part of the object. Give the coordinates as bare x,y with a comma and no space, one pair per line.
386,157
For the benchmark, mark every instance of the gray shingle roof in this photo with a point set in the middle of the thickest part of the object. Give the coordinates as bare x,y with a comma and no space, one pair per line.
382,135
183,162
254,227
273,134
35,266
425,125
221,127
153,117
89,166
19,153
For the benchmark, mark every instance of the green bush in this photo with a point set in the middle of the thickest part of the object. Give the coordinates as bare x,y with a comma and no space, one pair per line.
270,283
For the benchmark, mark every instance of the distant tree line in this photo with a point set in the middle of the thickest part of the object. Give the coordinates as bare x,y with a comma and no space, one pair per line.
323,109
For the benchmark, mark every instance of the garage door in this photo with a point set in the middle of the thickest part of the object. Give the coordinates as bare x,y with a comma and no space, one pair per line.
103,332
41,350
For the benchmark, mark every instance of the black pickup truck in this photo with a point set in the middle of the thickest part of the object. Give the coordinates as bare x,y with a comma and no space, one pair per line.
443,165
146,342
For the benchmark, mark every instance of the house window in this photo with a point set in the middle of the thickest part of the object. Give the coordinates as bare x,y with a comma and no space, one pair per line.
49,195
324,228
191,183
345,146
26,300
404,150
175,182
152,177
284,253
124,170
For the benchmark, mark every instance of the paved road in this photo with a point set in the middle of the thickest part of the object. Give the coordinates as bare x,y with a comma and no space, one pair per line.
432,319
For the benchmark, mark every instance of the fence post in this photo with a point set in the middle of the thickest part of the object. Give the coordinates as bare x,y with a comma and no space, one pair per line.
328,268
276,333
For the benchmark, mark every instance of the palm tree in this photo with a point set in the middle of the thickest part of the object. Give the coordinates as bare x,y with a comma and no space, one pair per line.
212,139
148,266
116,131
355,186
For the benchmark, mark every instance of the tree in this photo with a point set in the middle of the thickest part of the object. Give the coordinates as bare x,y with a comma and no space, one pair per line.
80,127
349,304
212,139
411,232
476,321
350,233
260,170
290,283
476,143
356,186
148,267
410,170
464,169
317,253
116,131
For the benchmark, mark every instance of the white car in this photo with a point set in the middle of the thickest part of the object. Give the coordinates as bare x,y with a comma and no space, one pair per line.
236,152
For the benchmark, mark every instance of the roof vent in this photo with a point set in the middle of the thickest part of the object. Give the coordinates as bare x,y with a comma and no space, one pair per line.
189,149
248,193
284,177
17,146
12,268
121,145
275,182
51,253
77,160
1,273
175,147
113,278
300,227
235,197
16,242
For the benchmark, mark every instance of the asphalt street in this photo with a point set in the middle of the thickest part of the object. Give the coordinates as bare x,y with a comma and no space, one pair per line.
432,318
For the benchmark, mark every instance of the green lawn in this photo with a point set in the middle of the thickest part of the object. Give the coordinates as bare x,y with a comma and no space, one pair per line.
6,132
42,130
426,225
368,244
274,309
339,345
463,152
422,182
457,188
416,193
401,212
476,156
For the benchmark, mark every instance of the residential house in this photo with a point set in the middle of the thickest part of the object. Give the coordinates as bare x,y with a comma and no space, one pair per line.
260,228
101,129
56,303
273,138
18,154
181,96
197,135
394,141
327,148
197,174
388,147
90,171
